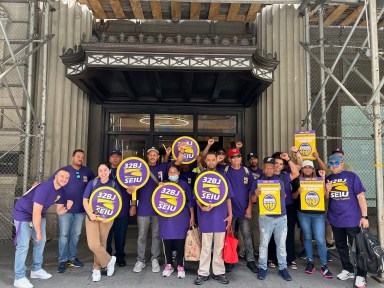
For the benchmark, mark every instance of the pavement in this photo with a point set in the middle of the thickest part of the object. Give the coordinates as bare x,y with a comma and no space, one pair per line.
240,276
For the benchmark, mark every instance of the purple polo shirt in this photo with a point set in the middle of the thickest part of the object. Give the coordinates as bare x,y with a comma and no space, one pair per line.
343,206
74,190
144,194
125,197
44,194
176,227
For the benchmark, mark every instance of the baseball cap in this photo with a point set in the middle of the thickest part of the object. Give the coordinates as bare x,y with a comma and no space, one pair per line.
251,155
335,158
118,152
221,149
153,149
269,160
338,150
233,151
307,163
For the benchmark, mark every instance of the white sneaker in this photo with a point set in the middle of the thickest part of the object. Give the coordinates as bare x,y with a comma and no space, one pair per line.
138,266
111,266
96,275
40,274
180,272
168,270
344,275
155,266
22,283
360,282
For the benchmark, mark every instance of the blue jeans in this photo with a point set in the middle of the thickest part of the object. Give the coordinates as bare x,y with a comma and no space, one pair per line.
24,233
70,225
277,226
313,223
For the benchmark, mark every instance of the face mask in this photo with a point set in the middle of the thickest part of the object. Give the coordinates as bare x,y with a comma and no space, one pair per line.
173,178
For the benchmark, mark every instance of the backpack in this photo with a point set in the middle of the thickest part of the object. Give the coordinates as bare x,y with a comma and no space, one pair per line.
369,253
246,170
97,178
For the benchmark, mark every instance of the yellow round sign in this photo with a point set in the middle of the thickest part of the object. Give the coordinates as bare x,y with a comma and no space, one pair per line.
192,150
168,200
211,188
105,202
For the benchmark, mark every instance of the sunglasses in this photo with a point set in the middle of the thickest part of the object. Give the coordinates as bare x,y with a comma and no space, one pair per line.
220,153
235,156
77,174
336,163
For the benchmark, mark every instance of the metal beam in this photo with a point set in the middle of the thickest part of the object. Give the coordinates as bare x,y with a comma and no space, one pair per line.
131,94
220,83
187,85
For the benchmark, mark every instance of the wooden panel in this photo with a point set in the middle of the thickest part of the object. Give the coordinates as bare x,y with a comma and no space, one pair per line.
117,9
335,15
194,13
156,10
233,13
136,9
351,17
176,10
214,12
253,10
97,9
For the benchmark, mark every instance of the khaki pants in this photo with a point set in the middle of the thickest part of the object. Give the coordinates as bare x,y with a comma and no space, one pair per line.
218,267
97,234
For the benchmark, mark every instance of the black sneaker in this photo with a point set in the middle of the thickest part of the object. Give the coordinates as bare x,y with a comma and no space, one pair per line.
228,267
75,263
221,278
285,275
252,266
121,263
263,273
326,273
201,279
62,267
330,246
310,269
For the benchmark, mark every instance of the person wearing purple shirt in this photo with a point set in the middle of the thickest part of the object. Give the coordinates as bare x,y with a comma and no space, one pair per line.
173,230
120,223
146,215
213,221
253,161
29,218
71,223
347,212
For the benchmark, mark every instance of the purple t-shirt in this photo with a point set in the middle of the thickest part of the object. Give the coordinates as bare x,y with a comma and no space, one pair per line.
125,197
241,184
343,206
92,187
144,194
288,188
176,227
188,177
74,190
44,194
257,173
213,220
285,178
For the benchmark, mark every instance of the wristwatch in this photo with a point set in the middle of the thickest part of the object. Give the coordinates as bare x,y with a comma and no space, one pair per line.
364,217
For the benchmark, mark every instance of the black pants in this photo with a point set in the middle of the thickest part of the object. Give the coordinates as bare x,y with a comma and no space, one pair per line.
342,235
169,246
119,232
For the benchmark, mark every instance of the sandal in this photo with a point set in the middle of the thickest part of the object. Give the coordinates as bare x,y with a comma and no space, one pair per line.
293,265
271,264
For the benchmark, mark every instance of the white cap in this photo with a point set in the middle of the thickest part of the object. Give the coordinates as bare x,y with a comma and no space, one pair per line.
308,163
153,149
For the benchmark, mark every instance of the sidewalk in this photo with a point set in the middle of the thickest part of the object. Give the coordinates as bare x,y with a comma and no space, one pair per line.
125,277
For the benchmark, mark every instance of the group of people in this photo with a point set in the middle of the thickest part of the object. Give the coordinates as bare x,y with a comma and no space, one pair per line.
71,187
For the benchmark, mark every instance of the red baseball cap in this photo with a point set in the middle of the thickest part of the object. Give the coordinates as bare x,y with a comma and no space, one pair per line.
233,151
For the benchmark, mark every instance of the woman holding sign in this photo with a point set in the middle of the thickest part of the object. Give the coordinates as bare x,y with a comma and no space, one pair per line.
101,203
311,215
173,229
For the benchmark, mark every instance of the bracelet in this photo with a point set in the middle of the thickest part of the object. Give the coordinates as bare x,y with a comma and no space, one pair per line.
289,160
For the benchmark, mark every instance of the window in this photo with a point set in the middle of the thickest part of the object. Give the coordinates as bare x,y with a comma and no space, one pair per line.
221,124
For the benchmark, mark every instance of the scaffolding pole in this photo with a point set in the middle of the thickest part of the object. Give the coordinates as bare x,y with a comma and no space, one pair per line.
308,61
322,80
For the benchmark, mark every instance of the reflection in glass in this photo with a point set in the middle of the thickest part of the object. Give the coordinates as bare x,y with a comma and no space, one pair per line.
172,123
128,122
221,124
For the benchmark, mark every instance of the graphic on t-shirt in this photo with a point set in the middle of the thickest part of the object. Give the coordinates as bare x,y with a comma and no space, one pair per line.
339,189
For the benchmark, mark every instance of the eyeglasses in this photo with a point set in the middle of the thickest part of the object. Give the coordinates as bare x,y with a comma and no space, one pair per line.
220,153
336,163
77,174
235,156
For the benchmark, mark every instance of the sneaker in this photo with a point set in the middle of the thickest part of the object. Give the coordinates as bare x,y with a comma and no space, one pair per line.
263,273
180,272
221,278
310,269
96,275
138,266
326,273
344,275
252,266
22,283
330,246
111,266
75,263
201,279
360,282
121,262
62,267
155,266
293,265
302,255
168,270
228,267
285,275
40,274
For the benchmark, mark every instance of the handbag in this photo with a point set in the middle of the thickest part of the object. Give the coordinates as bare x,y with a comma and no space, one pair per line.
230,248
192,244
